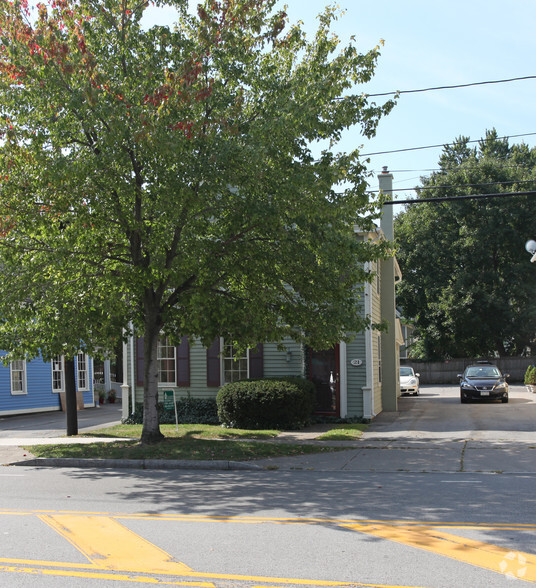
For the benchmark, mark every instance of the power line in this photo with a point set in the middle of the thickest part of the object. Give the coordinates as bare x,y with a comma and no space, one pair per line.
442,145
419,188
452,87
464,197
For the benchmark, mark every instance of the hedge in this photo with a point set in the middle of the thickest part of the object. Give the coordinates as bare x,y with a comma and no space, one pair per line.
191,411
286,403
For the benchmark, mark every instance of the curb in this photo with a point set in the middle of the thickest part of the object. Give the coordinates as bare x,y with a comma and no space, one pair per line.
143,464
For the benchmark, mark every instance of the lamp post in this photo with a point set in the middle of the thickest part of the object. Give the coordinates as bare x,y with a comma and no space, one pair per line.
530,246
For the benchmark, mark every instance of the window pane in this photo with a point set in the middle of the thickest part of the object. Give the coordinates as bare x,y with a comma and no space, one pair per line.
82,371
235,365
57,373
17,377
166,362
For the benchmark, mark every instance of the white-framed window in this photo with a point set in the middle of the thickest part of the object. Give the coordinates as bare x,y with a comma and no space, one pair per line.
58,374
18,377
82,368
235,364
167,362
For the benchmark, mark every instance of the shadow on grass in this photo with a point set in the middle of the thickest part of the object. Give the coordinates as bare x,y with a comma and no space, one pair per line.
185,448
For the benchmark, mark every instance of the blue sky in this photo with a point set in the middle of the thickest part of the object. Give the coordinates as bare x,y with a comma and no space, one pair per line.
431,44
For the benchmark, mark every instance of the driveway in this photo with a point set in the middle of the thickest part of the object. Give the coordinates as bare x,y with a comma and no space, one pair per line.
435,433
53,424
438,415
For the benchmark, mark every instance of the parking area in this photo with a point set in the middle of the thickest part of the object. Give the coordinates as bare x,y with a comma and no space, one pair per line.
53,424
437,414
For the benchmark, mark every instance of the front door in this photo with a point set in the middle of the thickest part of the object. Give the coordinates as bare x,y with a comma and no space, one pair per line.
324,373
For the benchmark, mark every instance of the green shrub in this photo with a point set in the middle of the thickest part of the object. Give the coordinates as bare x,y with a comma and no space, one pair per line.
190,411
527,374
532,376
285,403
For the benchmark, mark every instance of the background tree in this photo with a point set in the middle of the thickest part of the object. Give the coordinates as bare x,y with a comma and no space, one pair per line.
164,178
467,280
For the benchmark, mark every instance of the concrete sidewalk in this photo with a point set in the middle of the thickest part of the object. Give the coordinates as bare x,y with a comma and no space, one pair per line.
44,428
394,442
417,457
365,456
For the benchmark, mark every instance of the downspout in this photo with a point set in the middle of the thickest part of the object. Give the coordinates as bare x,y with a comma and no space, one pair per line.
368,390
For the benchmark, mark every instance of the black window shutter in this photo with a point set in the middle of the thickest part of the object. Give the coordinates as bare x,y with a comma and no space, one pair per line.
213,364
183,363
256,369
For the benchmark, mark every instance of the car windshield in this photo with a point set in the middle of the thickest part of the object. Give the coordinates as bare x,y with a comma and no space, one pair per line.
406,371
483,372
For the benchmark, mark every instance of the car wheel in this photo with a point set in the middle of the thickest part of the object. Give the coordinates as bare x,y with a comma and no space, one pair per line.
463,400
504,400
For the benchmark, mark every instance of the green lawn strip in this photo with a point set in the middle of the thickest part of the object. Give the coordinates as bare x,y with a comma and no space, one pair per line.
185,431
183,448
344,432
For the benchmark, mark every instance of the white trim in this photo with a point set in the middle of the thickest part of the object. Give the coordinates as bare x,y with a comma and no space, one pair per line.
30,410
343,380
87,387
368,389
159,359
133,358
222,362
62,372
24,391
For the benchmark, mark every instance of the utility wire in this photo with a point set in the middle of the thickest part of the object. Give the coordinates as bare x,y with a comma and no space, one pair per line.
456,186
452,87
464,197
442,145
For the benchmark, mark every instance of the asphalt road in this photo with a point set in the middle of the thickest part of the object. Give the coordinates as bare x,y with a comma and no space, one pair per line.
382,522
89,527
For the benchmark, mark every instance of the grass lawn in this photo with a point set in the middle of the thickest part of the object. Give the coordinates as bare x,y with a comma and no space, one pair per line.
344,432
203,442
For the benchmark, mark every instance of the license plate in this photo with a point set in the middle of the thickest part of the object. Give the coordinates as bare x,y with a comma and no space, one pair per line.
484,393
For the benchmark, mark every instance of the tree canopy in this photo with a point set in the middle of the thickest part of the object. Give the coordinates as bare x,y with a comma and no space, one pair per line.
163,180
467,281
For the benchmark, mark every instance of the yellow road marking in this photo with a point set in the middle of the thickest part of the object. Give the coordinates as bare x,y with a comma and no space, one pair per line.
148,580
428,538
104,576
110,545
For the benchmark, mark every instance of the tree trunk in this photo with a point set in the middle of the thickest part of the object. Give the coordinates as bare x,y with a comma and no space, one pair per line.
151,433
70,398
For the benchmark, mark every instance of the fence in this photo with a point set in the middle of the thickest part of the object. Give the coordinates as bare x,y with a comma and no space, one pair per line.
446,372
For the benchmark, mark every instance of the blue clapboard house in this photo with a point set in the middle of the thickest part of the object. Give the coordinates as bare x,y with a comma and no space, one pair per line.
39,386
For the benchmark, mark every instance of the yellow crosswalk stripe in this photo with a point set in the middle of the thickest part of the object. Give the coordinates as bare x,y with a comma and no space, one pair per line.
477,553
111,546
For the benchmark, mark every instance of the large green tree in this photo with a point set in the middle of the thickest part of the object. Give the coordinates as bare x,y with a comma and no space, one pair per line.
467,280
165,178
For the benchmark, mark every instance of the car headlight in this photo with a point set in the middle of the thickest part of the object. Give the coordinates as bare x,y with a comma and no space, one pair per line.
412,382
500,387
468,386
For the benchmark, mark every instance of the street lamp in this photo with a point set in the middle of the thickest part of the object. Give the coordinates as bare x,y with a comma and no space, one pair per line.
530,246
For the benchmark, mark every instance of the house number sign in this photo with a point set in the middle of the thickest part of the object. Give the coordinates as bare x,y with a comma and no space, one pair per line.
356,362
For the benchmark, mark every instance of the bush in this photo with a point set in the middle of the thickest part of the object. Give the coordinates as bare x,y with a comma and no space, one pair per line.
190,411
286,403
530,375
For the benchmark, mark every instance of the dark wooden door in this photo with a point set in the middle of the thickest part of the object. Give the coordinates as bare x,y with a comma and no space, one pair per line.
324,373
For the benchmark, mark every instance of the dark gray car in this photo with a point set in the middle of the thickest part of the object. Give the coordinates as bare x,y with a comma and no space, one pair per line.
483,381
